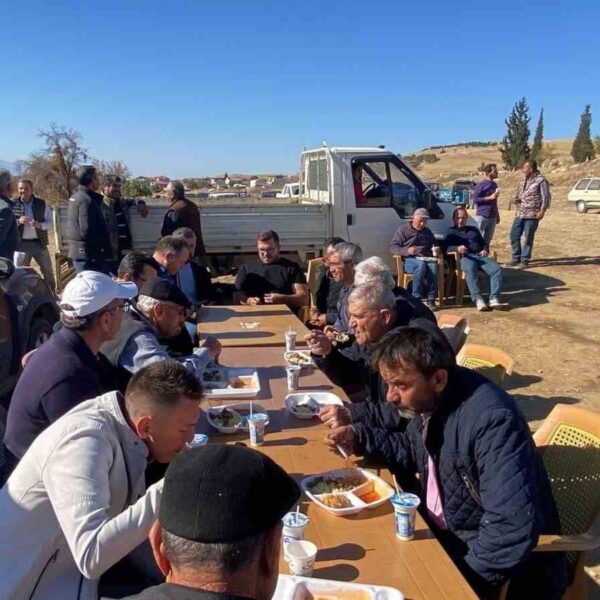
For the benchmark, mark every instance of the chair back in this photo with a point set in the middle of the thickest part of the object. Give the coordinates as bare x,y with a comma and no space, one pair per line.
491,362
311,277
569,440
455,328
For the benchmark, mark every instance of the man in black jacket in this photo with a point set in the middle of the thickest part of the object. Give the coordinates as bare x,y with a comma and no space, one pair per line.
89,239
9,234
483,487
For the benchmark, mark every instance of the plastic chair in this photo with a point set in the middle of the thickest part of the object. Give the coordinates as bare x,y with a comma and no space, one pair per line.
311,278
569,442
404,278
491,362
455,328
457,274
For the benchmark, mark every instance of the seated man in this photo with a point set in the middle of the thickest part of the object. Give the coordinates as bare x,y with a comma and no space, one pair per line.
359,194
230,548
373,312
172,254
483,487
77,503
69,367
157,316
271,279
469,243
342,261
137,267
416,243
327,290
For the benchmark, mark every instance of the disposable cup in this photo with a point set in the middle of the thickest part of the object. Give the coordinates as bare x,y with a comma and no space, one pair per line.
290,341
301,557
294,526
200,439
256,427
293,377
405,510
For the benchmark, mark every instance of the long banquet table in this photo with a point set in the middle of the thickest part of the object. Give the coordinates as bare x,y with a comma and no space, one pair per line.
263,325
362,548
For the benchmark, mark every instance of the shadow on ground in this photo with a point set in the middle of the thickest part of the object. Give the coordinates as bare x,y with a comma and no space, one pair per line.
537,408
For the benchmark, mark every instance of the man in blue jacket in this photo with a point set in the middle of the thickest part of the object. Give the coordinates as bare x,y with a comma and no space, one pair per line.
483,487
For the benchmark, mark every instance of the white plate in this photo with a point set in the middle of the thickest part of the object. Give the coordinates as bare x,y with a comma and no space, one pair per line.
322,398
249,374
244,409
306,362
384,490
292,587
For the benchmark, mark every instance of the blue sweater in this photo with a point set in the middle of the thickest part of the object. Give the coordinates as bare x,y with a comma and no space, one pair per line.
468,236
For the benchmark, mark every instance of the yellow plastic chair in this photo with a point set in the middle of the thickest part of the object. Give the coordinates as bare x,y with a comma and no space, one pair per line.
311,279
403,278
569,442
455,328
491,362
457,274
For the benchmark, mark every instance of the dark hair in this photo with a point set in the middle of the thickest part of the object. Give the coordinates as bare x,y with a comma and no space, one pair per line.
85,174
110,179
80,323
487,169
161,384
177,189
27,181
230,557
532,163
456,211
333,241
426,350
266,235
133,264
171,243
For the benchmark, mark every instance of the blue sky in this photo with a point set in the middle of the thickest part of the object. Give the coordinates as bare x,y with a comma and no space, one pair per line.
195,88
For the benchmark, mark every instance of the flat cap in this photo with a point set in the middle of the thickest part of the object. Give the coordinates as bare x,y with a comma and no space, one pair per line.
421,212
219,494
165,291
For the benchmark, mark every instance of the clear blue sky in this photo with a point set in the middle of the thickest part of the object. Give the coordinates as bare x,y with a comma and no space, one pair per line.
194,87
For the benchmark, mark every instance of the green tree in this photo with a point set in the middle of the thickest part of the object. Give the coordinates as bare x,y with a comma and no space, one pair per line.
515,144
583,148
597,144
538,138
137,188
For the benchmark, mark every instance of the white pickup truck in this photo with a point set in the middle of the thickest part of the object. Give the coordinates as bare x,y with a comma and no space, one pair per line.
326,206
290,190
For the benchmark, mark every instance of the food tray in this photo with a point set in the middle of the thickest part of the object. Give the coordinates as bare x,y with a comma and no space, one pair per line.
322,398
242,409
291,587
248,376
372,483
301,358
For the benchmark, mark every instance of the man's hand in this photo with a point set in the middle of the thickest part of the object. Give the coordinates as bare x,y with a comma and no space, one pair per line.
213,345
23,220
483,253
318,343
335,416
343,436
253,301
274,298
462,249
540,215
35,224
412,250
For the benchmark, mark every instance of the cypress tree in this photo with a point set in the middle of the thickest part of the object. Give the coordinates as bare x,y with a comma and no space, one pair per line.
538,138
583,148
515,144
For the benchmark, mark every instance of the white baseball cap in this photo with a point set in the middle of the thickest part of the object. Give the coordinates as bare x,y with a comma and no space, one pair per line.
90,291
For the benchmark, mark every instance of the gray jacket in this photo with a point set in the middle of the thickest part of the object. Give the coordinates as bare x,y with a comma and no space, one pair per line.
75,505
9,233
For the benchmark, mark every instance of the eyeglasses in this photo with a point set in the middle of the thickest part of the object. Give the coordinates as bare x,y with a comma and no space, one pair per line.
120,307
183,312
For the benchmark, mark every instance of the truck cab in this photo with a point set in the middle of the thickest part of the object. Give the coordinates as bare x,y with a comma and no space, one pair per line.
372,192
290,190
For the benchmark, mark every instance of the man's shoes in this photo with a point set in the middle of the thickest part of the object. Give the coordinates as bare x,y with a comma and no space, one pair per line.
512,263
495,303
481,305
522,265
431,305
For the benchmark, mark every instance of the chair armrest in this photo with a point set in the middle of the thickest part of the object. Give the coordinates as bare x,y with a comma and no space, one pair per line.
567,543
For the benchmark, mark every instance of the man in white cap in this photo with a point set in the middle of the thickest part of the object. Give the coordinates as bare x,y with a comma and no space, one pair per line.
416,243
69,368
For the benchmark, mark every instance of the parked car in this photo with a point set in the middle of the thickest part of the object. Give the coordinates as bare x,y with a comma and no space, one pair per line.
585,194
462,192
290,190
28,311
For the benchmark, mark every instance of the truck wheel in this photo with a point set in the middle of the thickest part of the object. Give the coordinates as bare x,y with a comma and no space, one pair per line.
39,332
581,207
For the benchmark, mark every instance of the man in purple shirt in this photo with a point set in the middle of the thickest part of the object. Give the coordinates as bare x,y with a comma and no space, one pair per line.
485,198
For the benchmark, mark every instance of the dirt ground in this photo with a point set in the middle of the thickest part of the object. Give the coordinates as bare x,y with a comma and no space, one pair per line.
552,325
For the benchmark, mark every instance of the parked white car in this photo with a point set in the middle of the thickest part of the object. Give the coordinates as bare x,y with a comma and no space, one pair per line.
290,190
585,194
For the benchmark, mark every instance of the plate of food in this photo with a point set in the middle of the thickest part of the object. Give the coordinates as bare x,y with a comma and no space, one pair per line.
300,358
231,419
228,382
306,405
293,587
347,491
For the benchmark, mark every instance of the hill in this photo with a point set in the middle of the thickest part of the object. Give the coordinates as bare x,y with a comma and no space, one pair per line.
464,161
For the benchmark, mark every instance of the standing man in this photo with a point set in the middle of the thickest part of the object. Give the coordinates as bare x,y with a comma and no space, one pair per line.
9,234
89,239
182,213
533,200
33,219
485,199
116,218
416,243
